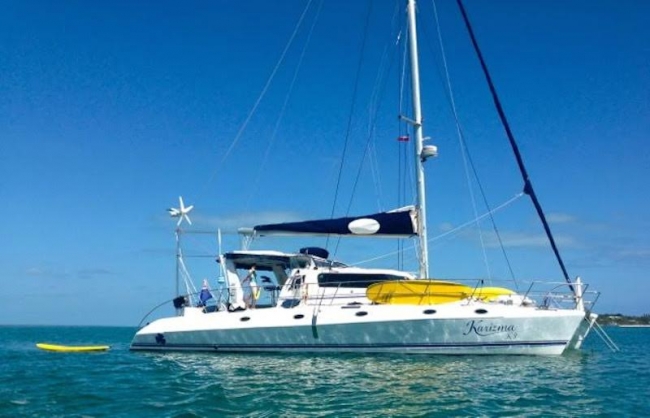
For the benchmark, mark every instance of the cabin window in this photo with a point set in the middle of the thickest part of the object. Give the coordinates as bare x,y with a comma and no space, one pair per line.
480,311
361,313
354,280
429,311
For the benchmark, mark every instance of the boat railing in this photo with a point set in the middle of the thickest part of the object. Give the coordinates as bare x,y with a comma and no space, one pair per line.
561,295
541,294
334,294
214,304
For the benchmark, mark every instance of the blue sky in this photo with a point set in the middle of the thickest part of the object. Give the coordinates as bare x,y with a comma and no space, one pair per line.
110,110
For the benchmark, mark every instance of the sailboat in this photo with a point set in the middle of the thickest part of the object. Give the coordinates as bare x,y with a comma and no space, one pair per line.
316,304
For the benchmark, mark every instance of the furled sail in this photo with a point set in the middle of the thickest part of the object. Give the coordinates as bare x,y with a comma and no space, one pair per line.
399,222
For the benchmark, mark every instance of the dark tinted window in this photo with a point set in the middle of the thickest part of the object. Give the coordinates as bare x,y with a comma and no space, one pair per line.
353,280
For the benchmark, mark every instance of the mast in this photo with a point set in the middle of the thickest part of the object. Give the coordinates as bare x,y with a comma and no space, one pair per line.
419,156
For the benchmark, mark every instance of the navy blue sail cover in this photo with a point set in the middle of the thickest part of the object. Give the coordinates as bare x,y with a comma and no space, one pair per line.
400,222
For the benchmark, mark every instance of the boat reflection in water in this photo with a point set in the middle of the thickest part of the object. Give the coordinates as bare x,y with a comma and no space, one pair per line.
357,385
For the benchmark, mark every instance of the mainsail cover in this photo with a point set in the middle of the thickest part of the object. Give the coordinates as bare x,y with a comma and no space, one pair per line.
397,223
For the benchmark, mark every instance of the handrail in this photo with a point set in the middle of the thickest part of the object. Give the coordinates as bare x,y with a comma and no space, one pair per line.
214,292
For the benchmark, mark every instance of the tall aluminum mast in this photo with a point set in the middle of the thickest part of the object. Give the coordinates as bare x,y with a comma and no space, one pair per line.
419,156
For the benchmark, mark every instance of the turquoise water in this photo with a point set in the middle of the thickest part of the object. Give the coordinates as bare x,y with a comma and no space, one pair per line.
118,383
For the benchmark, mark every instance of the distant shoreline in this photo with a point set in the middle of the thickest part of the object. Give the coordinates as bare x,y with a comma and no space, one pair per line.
626,321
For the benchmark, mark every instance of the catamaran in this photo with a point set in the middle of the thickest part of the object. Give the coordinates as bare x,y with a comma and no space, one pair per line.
313,303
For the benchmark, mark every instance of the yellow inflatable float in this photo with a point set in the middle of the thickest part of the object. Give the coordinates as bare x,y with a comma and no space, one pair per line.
72,349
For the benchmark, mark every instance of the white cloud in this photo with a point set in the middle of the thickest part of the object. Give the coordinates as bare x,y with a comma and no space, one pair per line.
63,273
231,223
91,273
633,254
34,271
560,218
47,272
445,226
527,240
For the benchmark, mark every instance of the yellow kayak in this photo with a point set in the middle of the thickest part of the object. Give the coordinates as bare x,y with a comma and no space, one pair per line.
429,292
72,348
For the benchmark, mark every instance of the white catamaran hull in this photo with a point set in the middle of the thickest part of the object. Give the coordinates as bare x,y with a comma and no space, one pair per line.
468,329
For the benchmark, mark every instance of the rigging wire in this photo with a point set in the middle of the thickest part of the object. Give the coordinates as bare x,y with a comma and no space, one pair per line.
460,138
465,152
528,185
452,231
378,96
402,130
409,167
385,66
187,278
262,94
379,92
284,107
351,114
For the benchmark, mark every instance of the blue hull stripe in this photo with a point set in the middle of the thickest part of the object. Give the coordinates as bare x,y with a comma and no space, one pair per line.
226,347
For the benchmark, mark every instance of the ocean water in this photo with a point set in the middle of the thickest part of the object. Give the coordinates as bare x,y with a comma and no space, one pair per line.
119,383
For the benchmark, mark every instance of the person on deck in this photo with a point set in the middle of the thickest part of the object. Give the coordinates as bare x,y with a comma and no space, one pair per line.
251,288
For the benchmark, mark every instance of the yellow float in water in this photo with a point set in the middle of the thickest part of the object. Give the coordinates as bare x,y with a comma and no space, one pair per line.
72,348
429,292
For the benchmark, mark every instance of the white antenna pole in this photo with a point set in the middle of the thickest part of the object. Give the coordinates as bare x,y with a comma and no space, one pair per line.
219,239
178,261
222,263
417,128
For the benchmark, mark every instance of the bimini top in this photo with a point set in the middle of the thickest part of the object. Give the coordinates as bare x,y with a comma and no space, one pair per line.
399,222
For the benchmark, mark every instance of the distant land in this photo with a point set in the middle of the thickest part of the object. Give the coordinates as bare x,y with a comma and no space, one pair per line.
625,320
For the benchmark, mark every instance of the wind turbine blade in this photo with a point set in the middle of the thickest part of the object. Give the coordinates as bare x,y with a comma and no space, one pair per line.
180,200
188,218
189,208
180,219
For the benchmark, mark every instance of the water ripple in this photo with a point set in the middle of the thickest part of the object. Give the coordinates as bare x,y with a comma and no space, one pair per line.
124,384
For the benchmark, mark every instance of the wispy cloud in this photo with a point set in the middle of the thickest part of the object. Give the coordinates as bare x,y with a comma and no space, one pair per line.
632,255
230,223
93,273
511,239
445,227
560,218
583,244
59,273
609,256
527,240
47,272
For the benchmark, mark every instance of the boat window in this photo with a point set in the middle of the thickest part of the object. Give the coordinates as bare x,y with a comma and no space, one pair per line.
480,311
300,262
318,262
355,280
306,261
429,311
268,281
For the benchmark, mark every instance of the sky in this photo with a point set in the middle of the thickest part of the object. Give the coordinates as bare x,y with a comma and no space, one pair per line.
109,110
